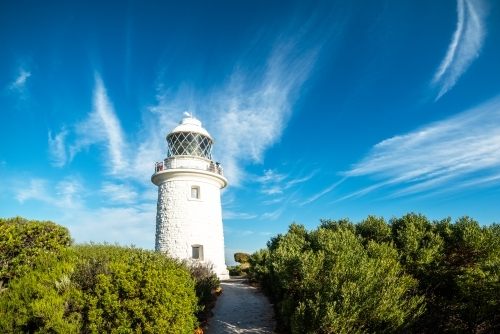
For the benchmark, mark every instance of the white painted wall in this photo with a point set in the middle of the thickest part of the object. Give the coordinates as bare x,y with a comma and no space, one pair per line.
182,222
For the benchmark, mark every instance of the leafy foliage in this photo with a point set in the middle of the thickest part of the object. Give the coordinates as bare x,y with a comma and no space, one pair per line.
43,300
407,275
241,257
326,281
101,289
144,292
91,288
22,241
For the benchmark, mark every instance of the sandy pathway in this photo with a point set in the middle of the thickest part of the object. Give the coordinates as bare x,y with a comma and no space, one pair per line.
241,309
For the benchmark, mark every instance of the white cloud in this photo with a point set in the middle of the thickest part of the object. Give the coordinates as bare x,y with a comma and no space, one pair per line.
66,193
57,149
119,193
458,152
270,175
20,81
69,193
102,126
249,115
274,190
237,215
323,192
124,225
35,190
275,214
300,180
464,47
273,201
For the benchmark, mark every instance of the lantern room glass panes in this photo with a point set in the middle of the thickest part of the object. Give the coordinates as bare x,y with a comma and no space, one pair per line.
189,143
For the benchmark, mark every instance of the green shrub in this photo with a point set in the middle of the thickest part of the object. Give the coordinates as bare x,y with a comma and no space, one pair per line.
43,300
134,291
372,276
241,257
101,289
458,268
22,241
206,281
234,271
326,281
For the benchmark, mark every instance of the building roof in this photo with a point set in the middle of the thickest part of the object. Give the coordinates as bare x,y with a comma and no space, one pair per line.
190,124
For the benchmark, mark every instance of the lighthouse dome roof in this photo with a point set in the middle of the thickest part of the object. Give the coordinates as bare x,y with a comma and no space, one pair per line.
191,124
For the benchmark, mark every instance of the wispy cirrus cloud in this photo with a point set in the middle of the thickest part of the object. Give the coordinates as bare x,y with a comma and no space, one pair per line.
322,192
35,190
119,193
102,126
226,214
271,175
65,194
458,152
57,148
274,214
464,47
20,81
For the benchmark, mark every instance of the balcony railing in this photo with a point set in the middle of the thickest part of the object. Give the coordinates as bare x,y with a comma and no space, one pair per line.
189,163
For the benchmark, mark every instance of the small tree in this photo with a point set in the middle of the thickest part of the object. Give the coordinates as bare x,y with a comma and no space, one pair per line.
241,257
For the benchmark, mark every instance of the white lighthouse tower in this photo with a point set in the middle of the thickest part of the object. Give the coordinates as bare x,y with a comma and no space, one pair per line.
189,214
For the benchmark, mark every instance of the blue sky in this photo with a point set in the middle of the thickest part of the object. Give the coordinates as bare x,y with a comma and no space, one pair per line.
318,110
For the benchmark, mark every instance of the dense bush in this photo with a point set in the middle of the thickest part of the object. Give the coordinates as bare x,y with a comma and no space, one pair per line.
53,288
458,269
22,241
43,300
326,281
373,276
101,289
134,291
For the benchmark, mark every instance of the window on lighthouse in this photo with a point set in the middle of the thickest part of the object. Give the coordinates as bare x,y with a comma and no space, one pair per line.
197,252
195,192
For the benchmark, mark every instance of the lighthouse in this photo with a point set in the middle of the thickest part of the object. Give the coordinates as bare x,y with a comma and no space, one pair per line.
189,213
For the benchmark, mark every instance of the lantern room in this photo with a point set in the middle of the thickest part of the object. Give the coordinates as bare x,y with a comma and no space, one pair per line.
190,138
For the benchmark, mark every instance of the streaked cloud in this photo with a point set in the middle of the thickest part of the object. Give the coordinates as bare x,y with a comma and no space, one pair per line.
273,190
273,201
237,215
65,194
69,193
20,81
57,149
295,181
102,126
35,190
271,175
119,193
458,152
274,214
322,192
465,44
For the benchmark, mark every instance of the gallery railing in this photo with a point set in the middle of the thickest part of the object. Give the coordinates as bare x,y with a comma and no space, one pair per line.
183,163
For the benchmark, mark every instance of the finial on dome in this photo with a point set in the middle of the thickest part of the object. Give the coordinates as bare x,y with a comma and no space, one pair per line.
190,115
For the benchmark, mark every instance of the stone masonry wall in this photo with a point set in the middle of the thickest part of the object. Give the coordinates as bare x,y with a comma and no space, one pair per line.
182,222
